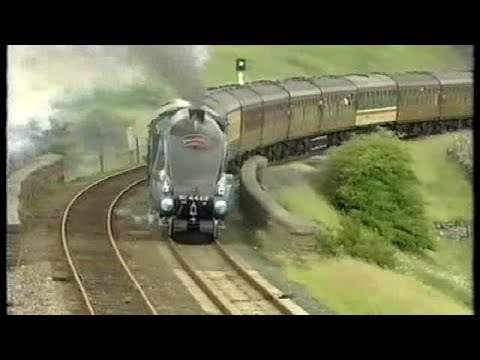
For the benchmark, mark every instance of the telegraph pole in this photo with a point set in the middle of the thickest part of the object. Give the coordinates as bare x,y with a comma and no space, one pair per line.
132,146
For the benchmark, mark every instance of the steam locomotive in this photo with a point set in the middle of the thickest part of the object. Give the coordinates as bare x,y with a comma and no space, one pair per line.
187,158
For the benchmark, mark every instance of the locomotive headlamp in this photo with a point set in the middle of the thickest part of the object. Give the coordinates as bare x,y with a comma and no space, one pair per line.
220,207
167,204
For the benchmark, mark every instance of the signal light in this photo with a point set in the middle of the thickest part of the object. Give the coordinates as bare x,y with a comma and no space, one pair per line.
241,64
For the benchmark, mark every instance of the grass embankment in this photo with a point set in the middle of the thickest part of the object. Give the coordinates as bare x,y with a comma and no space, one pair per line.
438,281
353,287
447,193
281,61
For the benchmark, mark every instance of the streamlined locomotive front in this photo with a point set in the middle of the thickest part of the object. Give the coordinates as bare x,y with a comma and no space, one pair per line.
192,189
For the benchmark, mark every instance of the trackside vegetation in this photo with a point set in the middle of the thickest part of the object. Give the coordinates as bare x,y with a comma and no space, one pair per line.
370,180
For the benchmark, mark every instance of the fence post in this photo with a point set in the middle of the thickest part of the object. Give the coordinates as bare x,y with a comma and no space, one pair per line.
101,163
131,157
138,149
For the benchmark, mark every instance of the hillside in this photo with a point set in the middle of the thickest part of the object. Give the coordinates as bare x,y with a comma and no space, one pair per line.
281,61
441,279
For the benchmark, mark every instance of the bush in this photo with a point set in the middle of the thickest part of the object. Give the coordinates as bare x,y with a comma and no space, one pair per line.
356,240
370,178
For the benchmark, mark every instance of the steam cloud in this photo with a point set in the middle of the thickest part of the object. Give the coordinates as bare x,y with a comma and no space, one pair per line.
37,74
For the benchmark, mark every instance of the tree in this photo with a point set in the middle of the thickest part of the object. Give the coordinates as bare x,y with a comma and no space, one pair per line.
99,130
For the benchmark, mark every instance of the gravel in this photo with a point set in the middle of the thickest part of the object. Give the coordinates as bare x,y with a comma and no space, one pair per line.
30,291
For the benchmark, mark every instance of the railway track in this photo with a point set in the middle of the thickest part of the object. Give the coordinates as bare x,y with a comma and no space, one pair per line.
233,288
225,281
106,283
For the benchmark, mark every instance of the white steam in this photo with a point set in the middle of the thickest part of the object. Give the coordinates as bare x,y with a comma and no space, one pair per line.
39,74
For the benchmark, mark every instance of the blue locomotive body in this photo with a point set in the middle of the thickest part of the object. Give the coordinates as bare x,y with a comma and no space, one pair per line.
189,187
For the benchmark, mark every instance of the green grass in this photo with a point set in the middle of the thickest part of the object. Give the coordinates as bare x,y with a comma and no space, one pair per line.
352,287
437,282
449,269
316,209
447,192
281,61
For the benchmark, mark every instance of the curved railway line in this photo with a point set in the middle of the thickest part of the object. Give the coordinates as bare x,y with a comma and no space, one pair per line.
109,286
106,283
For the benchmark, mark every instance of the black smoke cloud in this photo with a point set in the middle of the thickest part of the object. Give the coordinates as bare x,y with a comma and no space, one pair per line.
178,64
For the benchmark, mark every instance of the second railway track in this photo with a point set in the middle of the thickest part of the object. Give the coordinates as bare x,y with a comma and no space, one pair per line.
104,280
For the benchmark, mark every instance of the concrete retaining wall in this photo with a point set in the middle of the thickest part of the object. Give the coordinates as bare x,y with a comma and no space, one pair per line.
261,207
26,182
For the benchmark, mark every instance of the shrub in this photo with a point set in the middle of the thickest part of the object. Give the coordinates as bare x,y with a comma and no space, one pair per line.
355,239
370,178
